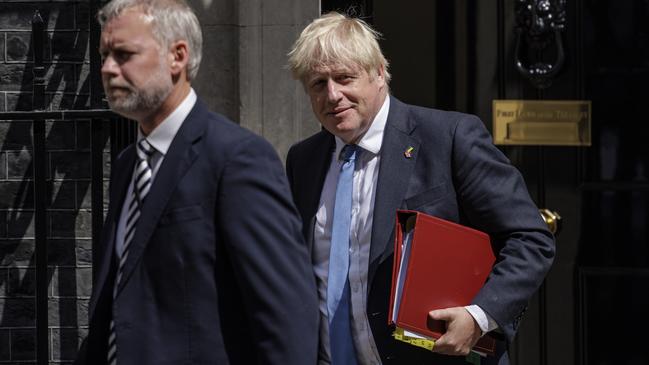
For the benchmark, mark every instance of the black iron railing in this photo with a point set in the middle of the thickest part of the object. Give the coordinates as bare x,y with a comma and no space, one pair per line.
121,134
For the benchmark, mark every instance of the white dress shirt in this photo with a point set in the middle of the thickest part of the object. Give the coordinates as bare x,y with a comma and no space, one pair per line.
366,174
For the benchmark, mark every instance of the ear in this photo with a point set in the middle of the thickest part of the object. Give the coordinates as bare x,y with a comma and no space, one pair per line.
380,75
179,57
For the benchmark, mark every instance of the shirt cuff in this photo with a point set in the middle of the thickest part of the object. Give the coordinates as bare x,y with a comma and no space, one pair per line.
485,322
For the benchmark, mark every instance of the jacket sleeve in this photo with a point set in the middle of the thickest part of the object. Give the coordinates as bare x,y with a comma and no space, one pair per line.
493,197
261,231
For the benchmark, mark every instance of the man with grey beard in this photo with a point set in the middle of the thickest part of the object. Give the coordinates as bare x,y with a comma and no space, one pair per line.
201,259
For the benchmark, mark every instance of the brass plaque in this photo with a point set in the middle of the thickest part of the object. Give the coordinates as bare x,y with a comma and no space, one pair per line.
542,122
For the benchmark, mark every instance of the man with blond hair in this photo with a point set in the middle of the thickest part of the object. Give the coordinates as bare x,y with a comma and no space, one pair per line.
375,155
201,259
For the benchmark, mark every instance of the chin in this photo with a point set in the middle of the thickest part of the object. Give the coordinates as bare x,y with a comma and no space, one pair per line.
122,108
347,128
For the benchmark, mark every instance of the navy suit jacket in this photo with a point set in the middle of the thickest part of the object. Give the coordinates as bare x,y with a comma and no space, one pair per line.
218,272
455,173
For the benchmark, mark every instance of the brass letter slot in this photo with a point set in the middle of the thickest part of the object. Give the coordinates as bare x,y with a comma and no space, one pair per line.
541,122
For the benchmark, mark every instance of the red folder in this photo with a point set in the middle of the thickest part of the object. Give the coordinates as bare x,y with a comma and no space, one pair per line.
445,266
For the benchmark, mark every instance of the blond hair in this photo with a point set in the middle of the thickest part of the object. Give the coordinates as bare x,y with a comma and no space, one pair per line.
334,38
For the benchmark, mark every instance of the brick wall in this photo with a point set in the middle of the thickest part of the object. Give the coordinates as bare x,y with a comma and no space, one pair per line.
68,160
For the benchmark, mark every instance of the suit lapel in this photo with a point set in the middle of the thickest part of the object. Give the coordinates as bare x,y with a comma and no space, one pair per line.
119,185
394,172
316,165
181,155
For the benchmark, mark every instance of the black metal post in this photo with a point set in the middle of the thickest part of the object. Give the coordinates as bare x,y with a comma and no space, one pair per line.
96,89
97,187
38,47
40,192
96,142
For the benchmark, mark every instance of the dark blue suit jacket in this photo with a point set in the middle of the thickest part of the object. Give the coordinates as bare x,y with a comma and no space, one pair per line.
218,272
455,173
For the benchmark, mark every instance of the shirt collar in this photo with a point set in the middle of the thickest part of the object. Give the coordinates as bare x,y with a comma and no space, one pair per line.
373,138
162,136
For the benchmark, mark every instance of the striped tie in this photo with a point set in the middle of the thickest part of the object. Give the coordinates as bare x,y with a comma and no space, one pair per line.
141,185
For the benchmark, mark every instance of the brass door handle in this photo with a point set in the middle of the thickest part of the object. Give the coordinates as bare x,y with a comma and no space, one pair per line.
552,219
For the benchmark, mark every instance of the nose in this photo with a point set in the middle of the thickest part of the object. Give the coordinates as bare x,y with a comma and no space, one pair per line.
109,67
333,91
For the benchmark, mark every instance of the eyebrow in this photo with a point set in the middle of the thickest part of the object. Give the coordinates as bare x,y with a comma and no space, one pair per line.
119,45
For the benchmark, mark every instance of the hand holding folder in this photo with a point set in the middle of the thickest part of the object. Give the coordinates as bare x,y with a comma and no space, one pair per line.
437,264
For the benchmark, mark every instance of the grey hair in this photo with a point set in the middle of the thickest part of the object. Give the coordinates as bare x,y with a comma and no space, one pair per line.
171,20
334,38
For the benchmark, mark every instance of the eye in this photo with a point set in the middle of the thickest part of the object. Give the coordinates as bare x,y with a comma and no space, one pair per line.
345,78
122,56
317,84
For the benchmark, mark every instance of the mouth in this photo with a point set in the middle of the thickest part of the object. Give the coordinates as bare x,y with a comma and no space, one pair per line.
118,90
339,111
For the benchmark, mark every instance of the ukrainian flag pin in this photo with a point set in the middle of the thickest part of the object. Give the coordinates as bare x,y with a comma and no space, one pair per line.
408,152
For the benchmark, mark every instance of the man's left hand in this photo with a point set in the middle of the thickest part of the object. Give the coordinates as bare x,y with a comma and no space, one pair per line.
462,331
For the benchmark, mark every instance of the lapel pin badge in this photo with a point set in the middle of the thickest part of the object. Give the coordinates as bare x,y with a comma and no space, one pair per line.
408,152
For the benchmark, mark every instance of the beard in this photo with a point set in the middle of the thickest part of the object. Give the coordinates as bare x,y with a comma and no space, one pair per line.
145,99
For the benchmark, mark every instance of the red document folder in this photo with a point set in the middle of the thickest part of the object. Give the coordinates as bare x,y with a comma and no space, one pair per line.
444,265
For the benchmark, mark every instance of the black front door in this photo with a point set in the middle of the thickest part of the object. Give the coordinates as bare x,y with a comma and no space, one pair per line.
613,255
594,301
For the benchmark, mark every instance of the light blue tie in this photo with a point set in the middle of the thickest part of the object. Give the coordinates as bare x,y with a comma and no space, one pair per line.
338,295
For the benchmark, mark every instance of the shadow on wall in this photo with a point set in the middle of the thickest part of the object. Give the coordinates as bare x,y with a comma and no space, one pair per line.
68,156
